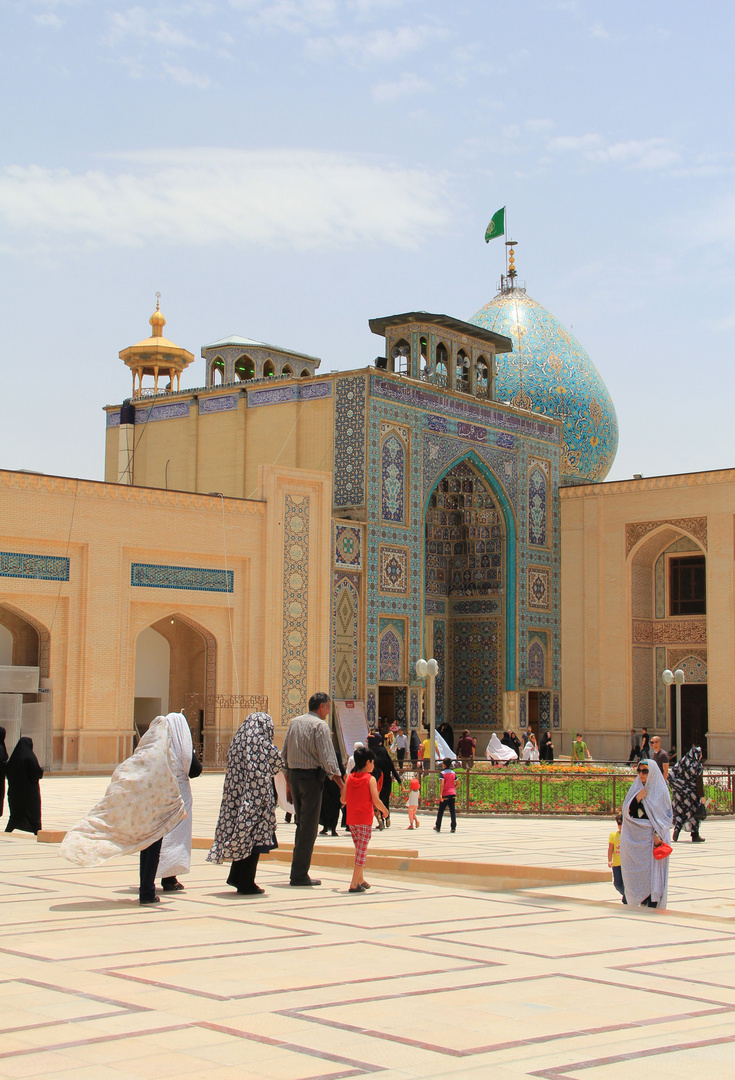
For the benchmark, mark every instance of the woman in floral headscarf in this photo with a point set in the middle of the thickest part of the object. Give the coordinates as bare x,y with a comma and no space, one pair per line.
687,793
247,815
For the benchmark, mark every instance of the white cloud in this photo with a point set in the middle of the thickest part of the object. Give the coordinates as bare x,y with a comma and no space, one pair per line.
48,18
295,16
655,153
138,22
185,77
378,46
408,85
205,198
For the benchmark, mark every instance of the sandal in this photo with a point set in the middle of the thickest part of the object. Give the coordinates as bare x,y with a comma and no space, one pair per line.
358,888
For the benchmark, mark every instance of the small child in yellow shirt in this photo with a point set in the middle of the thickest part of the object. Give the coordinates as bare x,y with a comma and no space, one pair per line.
613,857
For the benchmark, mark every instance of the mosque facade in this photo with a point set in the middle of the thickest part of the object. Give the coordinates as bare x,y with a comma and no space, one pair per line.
278,530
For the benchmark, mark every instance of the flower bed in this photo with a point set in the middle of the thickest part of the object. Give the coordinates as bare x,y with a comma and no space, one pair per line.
549,789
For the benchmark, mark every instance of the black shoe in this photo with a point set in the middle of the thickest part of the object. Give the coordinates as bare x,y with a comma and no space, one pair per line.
324,832
334,832
176,886
255,890
151,900
288,818
306,881
697,839
675,836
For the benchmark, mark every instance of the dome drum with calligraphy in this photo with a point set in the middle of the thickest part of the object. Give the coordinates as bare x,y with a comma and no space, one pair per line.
549,372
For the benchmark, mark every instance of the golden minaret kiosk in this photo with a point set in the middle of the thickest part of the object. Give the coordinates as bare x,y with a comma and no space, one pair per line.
155,356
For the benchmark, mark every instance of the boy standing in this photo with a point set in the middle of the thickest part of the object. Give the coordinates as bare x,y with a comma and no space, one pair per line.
613,856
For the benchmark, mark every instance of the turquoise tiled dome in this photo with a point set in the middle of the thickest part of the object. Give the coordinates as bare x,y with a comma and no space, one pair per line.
552,374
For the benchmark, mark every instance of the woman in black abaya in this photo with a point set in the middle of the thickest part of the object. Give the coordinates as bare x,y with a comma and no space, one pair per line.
24,794
3,760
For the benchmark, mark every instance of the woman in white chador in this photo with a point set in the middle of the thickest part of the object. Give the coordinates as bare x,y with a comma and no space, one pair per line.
176,848
647,820
142,803
496,751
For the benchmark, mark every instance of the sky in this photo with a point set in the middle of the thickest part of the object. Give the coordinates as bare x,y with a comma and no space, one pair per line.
287,169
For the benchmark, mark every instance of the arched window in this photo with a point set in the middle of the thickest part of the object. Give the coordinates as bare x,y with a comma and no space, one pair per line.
481,377
269,369
305,373
244,368
401,357
425,364
442,365
462,372
218,371
287,370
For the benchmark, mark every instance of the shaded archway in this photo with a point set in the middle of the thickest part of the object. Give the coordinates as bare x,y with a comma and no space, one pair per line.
31,639
665,630
192,670
466,567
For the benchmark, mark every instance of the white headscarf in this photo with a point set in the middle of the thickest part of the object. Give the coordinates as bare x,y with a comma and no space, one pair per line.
644,876
175,856
496,751
141,804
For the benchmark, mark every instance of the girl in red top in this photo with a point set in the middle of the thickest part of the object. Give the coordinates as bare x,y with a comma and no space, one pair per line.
448,794
361,798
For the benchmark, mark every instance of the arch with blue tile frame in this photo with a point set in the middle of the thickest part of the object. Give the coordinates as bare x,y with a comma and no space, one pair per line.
509,521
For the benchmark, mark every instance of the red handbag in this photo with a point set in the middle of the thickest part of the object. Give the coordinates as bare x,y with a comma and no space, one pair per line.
662,851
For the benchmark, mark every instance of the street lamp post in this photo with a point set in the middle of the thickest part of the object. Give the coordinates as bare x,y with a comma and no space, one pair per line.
429,669
677,678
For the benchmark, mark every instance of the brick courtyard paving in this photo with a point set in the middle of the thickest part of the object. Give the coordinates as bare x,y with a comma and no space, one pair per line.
407,981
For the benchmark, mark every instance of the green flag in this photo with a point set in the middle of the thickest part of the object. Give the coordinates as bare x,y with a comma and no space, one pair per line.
496,226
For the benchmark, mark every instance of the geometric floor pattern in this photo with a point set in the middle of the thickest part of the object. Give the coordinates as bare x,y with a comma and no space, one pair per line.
408,981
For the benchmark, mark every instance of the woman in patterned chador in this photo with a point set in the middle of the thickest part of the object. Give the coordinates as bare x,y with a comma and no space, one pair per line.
247,815
687,793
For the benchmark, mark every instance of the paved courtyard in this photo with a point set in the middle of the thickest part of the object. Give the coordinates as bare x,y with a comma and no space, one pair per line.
407,981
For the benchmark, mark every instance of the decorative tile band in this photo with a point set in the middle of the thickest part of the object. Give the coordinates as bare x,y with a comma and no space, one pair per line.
113,419
295,605
485,414
475,607
192,578
223,403
283,394
434,607
161,412
349,442
38,567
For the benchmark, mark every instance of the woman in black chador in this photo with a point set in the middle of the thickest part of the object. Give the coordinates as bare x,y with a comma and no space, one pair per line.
3,760
24,794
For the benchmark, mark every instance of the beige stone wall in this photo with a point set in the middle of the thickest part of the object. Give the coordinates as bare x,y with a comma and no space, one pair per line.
223,451
612,535
93,620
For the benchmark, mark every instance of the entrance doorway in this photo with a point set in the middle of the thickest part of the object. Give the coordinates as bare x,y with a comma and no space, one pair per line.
387,703
533,711
694,722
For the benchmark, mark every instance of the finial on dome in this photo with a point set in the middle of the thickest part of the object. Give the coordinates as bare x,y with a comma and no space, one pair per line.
157,320
512,272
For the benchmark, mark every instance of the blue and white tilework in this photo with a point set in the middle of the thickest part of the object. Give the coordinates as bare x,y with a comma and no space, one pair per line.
192,578
349,441
394,569
497,446
220,403
348,546
40,567
550,373
149,415
391,634
393,453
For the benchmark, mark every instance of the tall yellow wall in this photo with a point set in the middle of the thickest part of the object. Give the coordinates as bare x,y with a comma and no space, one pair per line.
223,451
597,604
95,617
